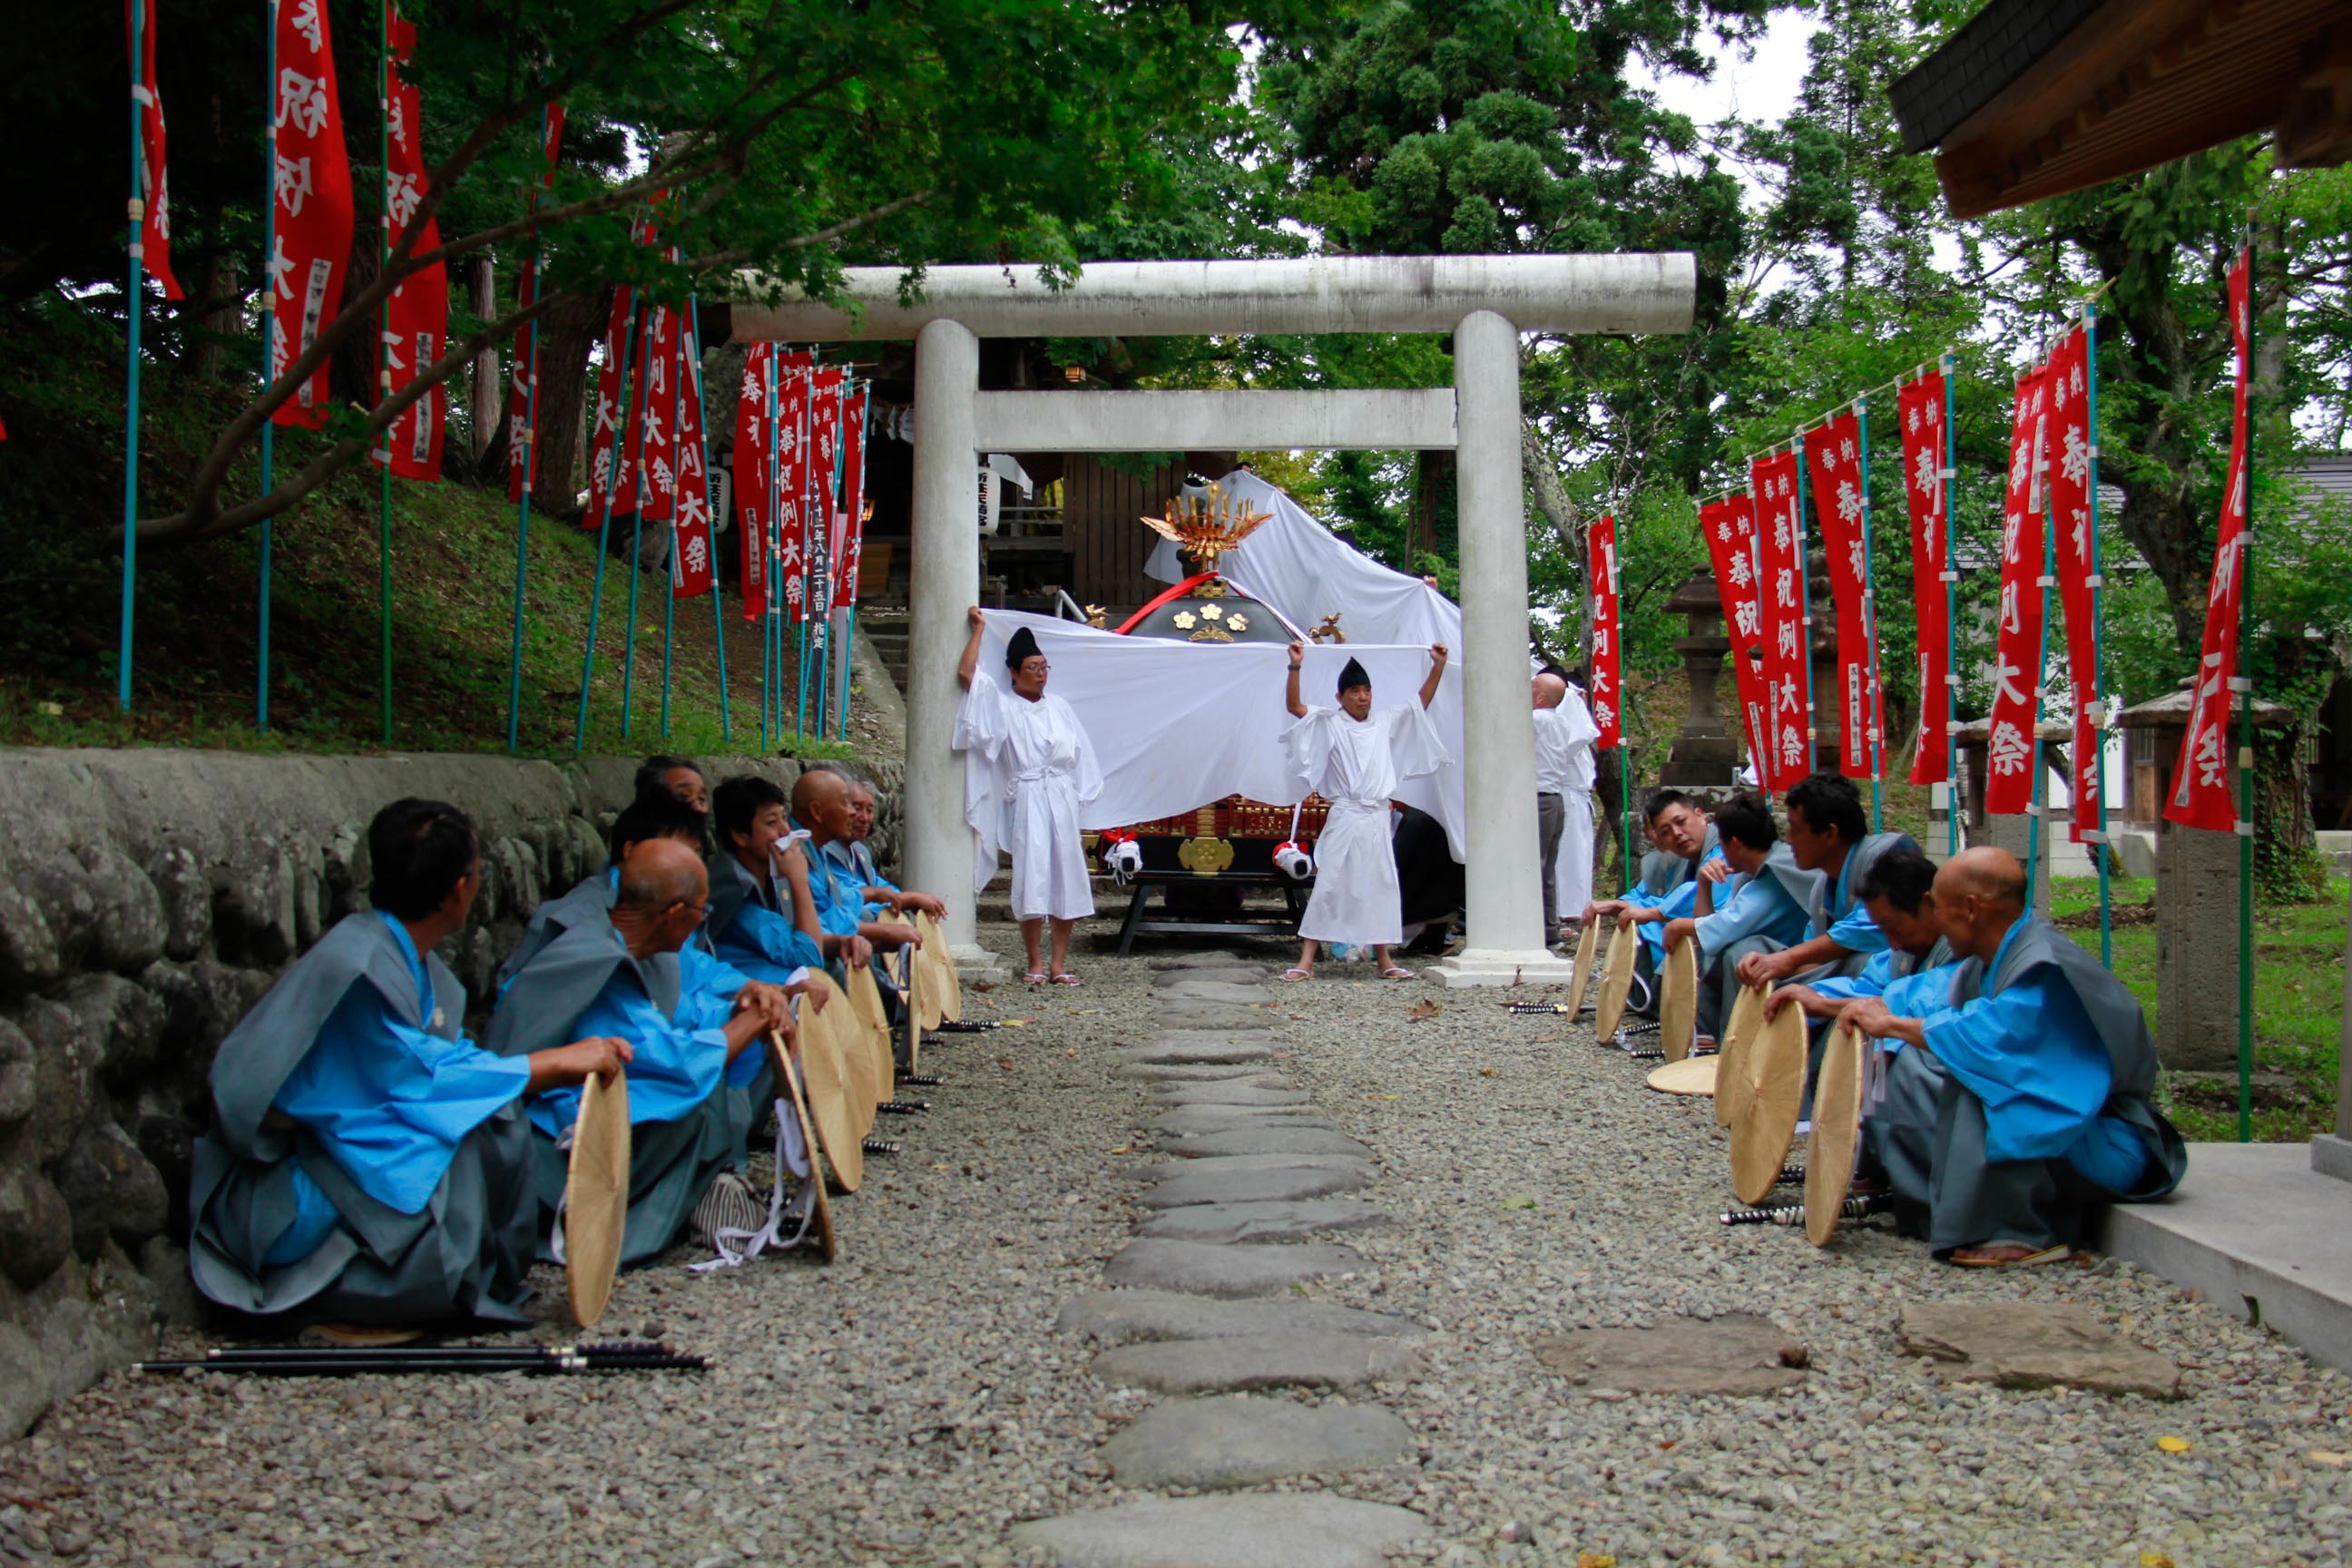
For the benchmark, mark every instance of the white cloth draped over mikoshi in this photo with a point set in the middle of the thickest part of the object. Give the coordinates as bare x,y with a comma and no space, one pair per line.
1565,766
1307,572
1029,771
1176,726
1359,767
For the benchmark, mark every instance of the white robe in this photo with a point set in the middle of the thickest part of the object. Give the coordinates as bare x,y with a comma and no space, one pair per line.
1564,765
1356,767
1028,767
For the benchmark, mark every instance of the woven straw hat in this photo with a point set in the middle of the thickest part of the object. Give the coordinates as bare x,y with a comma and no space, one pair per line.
924,998
597,1196
942,961
1772,1088
871,1023
796,1105
842,1108
1836,1140
839,1024
1581,975
1678,1003
1692,1075
1746,1022
1616,981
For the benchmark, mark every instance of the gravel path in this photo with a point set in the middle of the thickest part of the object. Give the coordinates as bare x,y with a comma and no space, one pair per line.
915,1401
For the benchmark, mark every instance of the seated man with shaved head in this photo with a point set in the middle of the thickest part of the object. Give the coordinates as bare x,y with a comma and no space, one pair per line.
694,1074
821,803
653,814
2021,1097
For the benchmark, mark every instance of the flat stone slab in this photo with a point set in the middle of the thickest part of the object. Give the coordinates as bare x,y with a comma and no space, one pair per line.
1191,1012
1260,1361
1208,1270
1188,1119
1201,1072
1230,1223
1177,1166
1195,989
1189,974
1211,1052
1261,1142
2020,1345
1207,1185
1231,1091
1240,1440
1735,1353
1302,1531
1128,1317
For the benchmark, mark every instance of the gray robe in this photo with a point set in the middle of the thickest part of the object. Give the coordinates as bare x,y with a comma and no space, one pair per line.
1663,871
671,1163
1928,1132
1719,980
1858,862
588,903
463,1255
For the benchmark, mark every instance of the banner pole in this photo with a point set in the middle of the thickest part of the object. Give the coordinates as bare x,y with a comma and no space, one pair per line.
135,302
384,365
636,523
605,518
268,318
2245,697
1870,618
702,434
1948,474
1805,594
2098,635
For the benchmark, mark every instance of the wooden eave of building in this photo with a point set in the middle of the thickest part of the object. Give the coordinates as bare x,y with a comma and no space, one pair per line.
2034,98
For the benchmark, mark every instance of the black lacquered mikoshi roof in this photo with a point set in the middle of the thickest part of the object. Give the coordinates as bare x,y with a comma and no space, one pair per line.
1211,612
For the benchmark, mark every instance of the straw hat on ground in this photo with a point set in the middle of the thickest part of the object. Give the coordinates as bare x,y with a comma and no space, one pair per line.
1678,1003
1581,976
1831,1151
1764,1122
1692,1075
1616,981
871,1021
1747,1021
949,984
597,1197
842,1108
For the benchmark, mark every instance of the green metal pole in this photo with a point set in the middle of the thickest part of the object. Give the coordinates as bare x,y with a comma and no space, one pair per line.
2098,635
134,301
1948,474
268,317
1870,618
717,617
2244,692
605,523
383,367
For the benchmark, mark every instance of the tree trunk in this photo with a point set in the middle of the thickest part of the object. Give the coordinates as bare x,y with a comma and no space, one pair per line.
485,404
566,335
223,325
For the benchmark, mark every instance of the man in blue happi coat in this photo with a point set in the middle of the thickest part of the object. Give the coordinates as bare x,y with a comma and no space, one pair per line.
1829,834
680,777
652,815
763,914
2022,1099
851,860
696,1077
820,807
1668,887
1752,899
1914,971
365,1161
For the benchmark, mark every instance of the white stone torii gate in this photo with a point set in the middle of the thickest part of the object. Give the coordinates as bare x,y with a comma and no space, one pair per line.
1486,301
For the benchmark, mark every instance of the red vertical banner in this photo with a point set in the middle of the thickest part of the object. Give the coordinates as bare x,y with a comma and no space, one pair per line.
850,527
1608,689
793,461
156,212
754,521
1780,539
2070,510
652,459
2017,633
522,445
310,185
603,441
1833,465
416,317
828,390
1729,527
2200,777
1920,404
690,564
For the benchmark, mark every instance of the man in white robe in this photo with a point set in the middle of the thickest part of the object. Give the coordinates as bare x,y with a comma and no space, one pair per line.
1028,766
1355,759
1564,736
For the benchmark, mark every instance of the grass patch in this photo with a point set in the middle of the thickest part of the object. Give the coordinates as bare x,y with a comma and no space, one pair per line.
196,611
2298,1007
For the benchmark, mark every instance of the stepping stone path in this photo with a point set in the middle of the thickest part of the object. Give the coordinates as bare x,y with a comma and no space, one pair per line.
1234,1213
1735,1353
2022,1345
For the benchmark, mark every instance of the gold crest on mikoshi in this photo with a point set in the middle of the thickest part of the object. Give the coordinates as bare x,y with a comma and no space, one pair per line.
1204,527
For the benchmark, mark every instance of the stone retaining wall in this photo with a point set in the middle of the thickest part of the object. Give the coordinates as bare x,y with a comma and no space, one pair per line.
147,898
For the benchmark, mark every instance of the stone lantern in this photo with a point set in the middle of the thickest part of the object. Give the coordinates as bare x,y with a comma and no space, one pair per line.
2196,888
